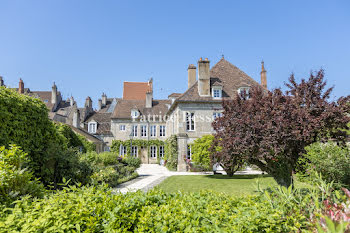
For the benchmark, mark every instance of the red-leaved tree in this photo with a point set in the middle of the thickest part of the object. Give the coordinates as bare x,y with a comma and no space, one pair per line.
272,128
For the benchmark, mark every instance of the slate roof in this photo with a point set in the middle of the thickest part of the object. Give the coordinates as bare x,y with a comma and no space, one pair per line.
135,90
225,74
174,95
103,120
124,107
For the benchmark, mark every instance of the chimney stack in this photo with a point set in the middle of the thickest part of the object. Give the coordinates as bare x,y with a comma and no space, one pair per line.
149,94
21,86
54,94
1,82
71,101
100,104
76,118
204,77
104,100
149,99
88,103
263,75
191,70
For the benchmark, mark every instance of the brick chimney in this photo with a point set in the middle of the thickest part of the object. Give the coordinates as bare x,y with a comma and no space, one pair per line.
54,94
104,100
203,77
21,86
263,75
191,70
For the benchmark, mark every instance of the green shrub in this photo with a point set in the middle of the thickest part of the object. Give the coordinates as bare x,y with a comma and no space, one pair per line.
15,179
171,152
24,122
201,151
132,161
108,175
329,160
95,209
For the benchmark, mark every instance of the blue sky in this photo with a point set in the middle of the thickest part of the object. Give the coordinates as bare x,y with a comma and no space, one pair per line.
90,47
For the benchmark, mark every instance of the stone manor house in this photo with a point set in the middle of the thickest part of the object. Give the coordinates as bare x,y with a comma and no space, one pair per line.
136,115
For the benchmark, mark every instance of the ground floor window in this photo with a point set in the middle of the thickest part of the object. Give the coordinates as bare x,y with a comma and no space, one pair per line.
161,151
134,151
122,150
107,148
153,151
189,152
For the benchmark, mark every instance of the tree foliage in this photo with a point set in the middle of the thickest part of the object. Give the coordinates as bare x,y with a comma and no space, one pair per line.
272,128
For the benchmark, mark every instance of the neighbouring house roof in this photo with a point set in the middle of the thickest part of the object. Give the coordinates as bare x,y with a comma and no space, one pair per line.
88,136
124,107
174,95
136,90
224,74
103,120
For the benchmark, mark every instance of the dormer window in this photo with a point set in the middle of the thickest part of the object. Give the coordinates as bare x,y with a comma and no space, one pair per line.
244,92
217,92
135,113
92,127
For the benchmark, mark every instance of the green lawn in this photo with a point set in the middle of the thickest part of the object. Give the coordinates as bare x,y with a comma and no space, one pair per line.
237,185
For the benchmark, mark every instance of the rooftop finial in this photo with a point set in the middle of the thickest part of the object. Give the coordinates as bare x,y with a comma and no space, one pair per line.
222,56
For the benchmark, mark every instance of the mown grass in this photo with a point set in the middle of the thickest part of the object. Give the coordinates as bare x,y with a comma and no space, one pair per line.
237,185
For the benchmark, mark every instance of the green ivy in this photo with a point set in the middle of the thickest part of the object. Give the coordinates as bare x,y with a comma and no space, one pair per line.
171,152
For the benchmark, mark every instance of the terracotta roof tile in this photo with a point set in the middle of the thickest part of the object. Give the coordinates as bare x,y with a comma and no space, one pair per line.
135,90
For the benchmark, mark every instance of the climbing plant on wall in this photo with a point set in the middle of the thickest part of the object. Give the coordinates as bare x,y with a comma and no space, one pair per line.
171,152
136,142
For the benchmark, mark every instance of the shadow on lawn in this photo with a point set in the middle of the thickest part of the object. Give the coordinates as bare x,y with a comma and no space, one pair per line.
236,177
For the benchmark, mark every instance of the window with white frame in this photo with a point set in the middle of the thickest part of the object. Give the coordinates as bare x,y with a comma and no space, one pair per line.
161,151
162,130
92,127
217,92
122,127
216,115
244,92
189,151
122,150
153,151
107,148
153,129
135,113
143,130
134,130
134,151
189,121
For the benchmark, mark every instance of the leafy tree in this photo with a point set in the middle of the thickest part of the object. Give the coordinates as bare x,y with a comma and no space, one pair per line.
201,151
272,128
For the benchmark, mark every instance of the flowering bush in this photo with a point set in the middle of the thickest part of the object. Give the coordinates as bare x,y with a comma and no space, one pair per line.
336,216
